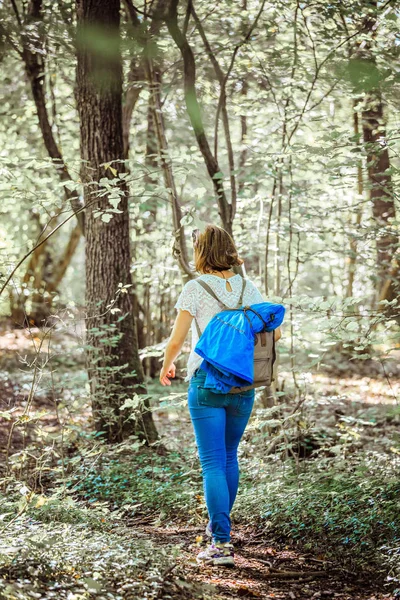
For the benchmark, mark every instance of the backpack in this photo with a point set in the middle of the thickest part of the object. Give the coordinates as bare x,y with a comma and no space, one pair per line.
264,346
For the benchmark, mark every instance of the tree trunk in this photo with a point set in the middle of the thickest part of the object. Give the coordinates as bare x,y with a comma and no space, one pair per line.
51,278
194,113
34,58
352,260
378,168
381,195
180,249
114,367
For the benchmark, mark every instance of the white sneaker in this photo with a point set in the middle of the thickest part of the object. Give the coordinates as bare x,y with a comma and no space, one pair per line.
218,553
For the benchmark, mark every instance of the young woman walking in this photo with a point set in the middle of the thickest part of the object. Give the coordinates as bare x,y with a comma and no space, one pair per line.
219,420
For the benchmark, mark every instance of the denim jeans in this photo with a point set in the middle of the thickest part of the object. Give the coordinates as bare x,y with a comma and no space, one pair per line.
219,421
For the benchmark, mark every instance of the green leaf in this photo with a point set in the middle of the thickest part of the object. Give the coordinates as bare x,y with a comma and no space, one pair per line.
92,584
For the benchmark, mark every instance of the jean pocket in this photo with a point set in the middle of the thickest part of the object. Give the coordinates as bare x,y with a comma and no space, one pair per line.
245,403
206,397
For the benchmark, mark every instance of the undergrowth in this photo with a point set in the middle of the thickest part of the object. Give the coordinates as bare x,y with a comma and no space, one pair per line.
143,482
345,508
348,510
65,561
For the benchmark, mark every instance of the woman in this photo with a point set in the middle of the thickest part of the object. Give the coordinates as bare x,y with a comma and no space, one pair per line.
219,420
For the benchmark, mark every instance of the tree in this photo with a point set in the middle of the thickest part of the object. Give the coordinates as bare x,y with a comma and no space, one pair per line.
114,367
367,78
33,51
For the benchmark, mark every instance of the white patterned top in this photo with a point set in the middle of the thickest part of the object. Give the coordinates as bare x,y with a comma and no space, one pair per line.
201,305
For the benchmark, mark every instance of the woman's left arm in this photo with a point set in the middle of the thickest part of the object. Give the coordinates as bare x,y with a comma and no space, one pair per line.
178,335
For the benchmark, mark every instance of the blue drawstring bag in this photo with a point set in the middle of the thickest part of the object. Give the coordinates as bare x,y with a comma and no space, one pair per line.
227,344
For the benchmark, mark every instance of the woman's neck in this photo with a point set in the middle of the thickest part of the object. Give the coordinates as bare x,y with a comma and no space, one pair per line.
222,273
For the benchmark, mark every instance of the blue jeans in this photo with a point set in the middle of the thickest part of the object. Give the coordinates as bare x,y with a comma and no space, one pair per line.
219,421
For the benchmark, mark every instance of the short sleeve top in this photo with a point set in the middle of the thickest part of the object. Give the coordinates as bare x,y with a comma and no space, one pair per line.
203,307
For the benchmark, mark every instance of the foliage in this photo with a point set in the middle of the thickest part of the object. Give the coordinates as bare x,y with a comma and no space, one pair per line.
76,560
292,104
141,482
345,509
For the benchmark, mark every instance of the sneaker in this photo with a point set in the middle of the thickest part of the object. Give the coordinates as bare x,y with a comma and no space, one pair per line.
209,530
218,553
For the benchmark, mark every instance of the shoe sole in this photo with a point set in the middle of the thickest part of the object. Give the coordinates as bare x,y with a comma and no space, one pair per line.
224,561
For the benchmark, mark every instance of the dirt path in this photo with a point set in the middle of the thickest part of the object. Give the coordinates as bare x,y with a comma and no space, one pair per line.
263,570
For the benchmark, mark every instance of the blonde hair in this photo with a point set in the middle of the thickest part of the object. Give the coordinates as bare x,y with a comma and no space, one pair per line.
214,250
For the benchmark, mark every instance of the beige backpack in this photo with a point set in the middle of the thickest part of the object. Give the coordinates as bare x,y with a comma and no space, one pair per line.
264,346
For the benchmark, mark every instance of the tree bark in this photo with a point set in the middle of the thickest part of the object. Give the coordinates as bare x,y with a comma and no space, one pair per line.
194,112
114,367
180,248
381,195
34,62
378,168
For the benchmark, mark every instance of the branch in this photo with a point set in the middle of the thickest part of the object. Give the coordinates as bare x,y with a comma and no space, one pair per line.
137,72
35,70
180,249
152,74
225,117
136,79
222,97
44,240
310,38
8,37
316,74
193,109
15,9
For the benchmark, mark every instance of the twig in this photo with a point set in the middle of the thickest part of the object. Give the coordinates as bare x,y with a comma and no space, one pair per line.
222,97
294,574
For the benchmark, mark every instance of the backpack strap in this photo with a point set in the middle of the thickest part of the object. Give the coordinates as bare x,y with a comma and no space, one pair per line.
240,303
210,291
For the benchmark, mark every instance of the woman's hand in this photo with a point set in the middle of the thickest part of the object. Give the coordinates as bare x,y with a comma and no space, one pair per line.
174,345
166,373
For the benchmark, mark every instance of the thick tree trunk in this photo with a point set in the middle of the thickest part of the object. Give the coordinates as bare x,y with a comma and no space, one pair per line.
114,367
378,168
381,195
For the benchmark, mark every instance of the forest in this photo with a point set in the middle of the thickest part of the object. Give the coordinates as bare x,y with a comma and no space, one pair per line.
124,126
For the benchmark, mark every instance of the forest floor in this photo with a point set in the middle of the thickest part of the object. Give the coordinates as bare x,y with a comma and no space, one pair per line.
266,571
141,541
263,569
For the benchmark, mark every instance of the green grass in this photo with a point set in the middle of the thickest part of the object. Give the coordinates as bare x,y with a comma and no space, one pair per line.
348,510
